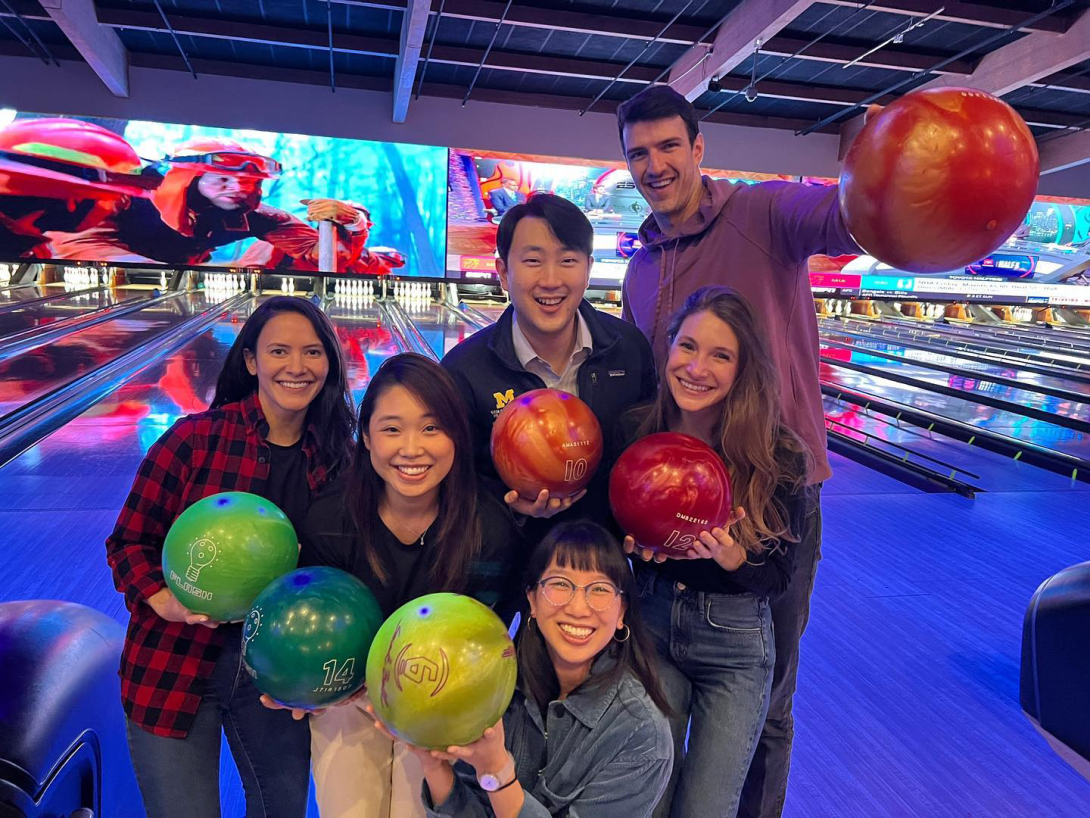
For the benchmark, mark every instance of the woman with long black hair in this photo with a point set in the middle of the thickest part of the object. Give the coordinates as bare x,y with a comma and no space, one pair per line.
280,426
407,519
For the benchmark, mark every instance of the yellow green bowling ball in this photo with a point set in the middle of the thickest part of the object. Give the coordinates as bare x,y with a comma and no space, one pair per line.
441,671
305,640
223,550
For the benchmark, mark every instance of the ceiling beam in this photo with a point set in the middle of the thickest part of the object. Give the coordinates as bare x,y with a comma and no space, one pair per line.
1008,68
316,39
1075,83
577,22
98,44
413,25
1026,60
225,68
750,22
518,62
843,52
972,14
1064,152
310,77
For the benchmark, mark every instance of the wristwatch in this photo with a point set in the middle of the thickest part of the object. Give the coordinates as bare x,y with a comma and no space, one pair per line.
491,782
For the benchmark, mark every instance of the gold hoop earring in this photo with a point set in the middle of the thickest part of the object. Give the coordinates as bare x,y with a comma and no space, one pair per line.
627,634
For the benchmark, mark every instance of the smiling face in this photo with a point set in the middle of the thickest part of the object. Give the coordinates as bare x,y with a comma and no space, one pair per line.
290,364
545,279
665,166
575,631
703,364
408,449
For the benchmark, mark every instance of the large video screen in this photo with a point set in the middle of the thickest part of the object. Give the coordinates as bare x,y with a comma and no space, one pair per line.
131,191
485,184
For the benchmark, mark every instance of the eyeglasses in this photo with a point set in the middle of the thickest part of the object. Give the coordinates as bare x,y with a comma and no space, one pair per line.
599,595
238,162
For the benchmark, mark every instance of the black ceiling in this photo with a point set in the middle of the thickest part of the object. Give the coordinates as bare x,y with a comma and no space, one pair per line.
565,54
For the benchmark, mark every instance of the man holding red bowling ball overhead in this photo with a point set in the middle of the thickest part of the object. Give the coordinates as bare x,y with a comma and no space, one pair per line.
550,337
755,239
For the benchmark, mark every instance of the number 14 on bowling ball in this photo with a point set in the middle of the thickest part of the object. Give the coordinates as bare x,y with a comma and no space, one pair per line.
546,439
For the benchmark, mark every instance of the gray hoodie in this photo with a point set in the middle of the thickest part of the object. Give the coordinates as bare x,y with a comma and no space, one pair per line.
756,239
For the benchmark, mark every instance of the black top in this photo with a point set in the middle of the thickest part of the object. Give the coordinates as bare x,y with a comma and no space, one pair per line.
287,485
618,373
329,537
765,574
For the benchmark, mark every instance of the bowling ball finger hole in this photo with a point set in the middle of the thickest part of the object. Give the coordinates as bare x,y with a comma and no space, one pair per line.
223,501
300,580
425,611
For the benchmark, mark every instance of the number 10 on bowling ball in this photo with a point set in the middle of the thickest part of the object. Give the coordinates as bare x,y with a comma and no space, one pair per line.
546,439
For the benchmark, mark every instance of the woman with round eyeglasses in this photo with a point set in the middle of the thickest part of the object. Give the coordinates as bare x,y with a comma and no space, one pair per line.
586,733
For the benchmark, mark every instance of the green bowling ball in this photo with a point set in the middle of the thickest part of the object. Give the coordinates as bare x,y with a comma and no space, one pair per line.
223,550
441,671
306,638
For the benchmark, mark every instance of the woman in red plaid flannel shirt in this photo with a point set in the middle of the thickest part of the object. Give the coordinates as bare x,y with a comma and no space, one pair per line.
280,426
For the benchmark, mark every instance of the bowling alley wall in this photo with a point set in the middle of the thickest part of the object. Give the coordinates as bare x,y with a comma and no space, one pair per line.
232,102
274,105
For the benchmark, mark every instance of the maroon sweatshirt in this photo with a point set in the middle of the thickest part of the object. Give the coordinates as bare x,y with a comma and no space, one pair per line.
755,239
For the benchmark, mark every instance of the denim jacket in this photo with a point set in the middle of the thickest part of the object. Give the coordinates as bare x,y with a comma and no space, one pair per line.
599,753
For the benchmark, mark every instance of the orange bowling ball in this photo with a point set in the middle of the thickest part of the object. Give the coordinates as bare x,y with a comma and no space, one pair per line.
546,439
938,179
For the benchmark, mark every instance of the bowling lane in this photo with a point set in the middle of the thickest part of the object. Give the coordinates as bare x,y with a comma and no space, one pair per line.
970,385
1031,336
1001,357
441,328
62,495
31,375
1032,380
937,337
366,340
491,309
988,470
1047,435
37,315
20,294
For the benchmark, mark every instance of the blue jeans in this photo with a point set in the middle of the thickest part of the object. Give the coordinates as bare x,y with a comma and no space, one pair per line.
716,653
766,786
179,778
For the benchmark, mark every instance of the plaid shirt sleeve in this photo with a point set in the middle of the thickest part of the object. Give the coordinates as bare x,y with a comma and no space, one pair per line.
134,549
164,665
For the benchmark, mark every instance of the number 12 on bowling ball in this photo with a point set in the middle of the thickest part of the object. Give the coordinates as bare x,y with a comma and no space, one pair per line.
546,439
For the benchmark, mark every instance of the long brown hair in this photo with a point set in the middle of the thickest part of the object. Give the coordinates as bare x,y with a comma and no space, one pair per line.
458,541
586,546
759,451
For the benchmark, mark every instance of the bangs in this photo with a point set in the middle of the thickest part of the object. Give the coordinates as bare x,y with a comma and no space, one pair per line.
591,554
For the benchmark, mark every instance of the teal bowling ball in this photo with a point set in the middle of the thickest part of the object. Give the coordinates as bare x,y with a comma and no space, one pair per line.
306,638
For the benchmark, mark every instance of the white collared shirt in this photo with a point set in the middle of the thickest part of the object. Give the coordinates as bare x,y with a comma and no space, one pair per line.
566,381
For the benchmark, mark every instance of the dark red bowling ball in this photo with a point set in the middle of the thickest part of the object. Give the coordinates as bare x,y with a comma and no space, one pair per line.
938,179
546,439
666,488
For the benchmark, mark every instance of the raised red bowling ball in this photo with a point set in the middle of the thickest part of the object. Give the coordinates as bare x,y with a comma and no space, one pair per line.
546,439
666,488
938,179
